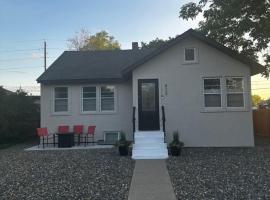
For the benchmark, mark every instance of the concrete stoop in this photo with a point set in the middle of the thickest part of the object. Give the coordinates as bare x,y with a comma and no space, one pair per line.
149,145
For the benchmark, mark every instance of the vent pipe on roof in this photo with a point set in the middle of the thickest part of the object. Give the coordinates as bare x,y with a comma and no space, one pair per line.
135,46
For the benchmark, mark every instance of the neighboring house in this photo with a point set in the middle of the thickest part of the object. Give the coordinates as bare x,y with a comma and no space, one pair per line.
203,86
5,90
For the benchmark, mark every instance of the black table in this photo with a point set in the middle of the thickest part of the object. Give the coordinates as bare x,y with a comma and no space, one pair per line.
65,140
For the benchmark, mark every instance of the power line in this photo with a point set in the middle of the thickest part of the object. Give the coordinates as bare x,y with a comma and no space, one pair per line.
19,50
11,68
29,58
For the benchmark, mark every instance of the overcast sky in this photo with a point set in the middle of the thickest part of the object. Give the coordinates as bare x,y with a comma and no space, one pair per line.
25,25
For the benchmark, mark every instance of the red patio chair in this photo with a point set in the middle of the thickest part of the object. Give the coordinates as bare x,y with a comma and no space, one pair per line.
63,129
43,133
90,134
78,130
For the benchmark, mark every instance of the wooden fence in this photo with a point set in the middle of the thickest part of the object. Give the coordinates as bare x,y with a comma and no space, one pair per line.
261,122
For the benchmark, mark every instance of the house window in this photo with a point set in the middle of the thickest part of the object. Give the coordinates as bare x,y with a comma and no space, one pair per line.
60,99
212,92
107,97
235,92
89,99
190,55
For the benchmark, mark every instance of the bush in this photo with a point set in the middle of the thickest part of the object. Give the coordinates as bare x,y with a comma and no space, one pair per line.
19,116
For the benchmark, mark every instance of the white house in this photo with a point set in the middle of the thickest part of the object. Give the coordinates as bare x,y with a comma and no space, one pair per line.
203,87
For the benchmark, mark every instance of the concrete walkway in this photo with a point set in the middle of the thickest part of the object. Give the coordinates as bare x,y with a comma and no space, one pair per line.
151,181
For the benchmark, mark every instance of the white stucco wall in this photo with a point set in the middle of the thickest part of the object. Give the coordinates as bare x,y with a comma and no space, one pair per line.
121,120
184,101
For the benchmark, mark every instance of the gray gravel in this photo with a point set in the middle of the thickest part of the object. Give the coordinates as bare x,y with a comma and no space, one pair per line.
221,173
73,174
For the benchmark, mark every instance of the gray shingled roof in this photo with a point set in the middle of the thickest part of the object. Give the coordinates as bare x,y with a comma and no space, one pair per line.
87,66
116,65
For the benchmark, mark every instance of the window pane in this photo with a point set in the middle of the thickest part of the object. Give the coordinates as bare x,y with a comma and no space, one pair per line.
107,104
89,104
235,100
61,105
148,96
89,92
212,100
189,54
61,92
234,84
107,91
107,98
212,85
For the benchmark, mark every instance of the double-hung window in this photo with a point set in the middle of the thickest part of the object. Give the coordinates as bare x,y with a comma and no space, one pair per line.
89,99
107,98
212,92
60,99
235,92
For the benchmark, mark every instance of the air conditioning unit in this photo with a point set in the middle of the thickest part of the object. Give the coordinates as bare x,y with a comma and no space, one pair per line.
111,137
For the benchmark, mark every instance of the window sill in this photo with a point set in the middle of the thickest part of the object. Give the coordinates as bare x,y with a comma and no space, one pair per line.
61,113
218,110
99,113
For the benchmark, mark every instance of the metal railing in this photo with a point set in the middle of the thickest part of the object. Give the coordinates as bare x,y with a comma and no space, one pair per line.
163,122
133,120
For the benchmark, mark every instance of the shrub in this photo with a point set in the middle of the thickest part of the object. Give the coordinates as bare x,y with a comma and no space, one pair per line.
19,116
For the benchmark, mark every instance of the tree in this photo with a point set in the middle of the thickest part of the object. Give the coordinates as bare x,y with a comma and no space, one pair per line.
19,116
242,25
84,41
268,102
256,100
153,43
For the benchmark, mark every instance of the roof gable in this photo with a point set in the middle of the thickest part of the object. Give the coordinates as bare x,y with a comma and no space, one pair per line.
117,65
255,67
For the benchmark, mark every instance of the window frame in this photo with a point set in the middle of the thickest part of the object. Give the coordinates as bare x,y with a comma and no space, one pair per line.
53,102
227,92
82,98
195,55
205,93
100,99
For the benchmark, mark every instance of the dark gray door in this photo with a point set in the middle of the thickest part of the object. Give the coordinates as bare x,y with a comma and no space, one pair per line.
148,104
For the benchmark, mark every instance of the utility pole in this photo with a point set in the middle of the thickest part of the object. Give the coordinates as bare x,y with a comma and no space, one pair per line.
45,56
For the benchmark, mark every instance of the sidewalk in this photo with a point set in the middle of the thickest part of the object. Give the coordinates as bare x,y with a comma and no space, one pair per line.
151,181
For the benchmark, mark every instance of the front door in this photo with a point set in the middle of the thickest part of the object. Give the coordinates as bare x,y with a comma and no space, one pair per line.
148,104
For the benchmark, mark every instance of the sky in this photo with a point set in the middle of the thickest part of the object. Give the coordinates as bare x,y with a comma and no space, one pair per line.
26,24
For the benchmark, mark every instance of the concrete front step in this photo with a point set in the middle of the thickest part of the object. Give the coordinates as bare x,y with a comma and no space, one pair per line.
149,145
156,157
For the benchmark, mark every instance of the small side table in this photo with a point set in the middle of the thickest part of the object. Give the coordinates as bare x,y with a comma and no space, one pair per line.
65,140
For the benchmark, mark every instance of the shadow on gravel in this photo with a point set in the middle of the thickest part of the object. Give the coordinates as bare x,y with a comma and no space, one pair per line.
75,174
221,173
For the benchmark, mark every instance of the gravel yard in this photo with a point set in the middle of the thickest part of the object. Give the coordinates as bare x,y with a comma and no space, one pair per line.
221,173
71,174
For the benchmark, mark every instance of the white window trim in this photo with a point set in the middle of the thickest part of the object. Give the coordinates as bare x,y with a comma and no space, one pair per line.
224,107
81,97
68,101
115,99
104,134
220,93
98,101
243,93
195,55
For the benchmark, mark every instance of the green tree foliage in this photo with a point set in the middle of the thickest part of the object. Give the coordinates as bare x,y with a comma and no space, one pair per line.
256,100
19,116
153,43
242,25
268,102
84,41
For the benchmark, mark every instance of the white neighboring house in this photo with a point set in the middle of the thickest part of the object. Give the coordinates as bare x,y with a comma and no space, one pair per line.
203,87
